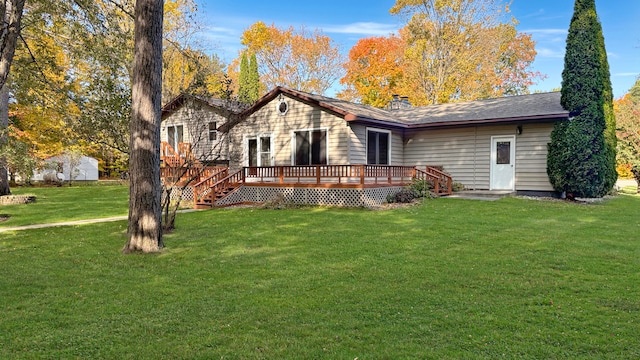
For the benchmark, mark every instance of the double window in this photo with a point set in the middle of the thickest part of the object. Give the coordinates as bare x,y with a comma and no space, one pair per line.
378,147
310,147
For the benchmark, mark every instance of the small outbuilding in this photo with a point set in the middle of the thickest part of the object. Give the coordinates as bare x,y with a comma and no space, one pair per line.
64,168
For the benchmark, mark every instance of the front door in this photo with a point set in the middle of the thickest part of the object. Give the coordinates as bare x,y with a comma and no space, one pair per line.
503,158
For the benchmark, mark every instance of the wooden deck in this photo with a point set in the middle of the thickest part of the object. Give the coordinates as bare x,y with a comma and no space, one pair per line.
221,183
180,168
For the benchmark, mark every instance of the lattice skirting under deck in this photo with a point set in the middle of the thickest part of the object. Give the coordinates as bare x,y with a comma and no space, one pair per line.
311,196
187,194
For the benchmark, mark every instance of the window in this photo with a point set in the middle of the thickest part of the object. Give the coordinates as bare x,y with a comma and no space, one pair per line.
378,147
259,151
282,106
503,152
213,131
311,147
175,136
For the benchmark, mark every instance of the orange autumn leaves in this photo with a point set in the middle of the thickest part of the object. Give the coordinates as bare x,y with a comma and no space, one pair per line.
439,57
374,70
298,59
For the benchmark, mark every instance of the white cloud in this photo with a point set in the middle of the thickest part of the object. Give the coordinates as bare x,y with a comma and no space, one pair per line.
550,53
626,74
362,28
545,31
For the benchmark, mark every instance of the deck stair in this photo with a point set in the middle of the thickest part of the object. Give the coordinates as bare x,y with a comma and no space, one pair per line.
211,190
442,182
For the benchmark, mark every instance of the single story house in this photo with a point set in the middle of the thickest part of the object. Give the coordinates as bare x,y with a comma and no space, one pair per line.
493,144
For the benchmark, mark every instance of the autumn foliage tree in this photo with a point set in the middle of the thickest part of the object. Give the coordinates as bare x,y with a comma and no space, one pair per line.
627,114
374,70
298,59
451,50
187,68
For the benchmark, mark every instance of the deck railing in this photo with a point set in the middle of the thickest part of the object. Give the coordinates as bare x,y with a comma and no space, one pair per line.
217,182
187,173
331,174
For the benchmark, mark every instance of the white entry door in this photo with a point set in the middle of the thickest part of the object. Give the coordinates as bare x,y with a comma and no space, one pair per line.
503,161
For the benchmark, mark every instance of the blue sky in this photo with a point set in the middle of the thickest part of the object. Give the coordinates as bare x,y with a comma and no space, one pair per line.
346,21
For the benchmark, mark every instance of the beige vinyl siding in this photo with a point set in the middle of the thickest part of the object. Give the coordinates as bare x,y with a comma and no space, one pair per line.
397,149
531,158
466,154
453,149
300,116
357,144
195,117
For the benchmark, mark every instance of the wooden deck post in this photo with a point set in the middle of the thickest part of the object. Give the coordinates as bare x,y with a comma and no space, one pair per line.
281,174
362,174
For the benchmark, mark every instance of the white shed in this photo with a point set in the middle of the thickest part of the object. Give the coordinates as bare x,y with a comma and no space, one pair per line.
60,167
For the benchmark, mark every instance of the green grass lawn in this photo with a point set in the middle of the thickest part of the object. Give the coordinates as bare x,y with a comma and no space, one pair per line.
56,204
451,278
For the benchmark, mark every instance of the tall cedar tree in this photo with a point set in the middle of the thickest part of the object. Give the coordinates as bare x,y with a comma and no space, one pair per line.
249,79
145,208
243,80
254,79
579,159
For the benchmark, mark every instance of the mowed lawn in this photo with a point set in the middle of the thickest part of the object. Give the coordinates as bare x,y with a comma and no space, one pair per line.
448,279
58,204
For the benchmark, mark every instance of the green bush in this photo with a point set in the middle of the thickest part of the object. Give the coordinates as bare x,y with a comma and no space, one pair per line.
456,186
421,187
405,195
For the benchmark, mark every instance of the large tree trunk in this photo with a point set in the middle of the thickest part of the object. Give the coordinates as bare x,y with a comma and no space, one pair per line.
4,123
11,12
145,208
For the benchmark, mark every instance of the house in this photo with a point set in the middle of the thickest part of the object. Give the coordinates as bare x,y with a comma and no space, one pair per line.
494,144
194,121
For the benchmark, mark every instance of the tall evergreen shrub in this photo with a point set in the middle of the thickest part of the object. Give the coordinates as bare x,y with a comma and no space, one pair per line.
581,157
243,80
254,79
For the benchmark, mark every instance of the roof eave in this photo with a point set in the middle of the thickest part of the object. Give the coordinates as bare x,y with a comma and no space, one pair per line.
511,120
366,120
462,123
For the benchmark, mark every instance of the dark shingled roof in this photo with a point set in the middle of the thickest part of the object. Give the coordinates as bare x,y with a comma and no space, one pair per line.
510,109
540,107
221,105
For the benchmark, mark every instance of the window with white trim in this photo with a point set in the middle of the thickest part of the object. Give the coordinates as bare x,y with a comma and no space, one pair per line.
310,147
213,131
378,147
175,135
259,151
